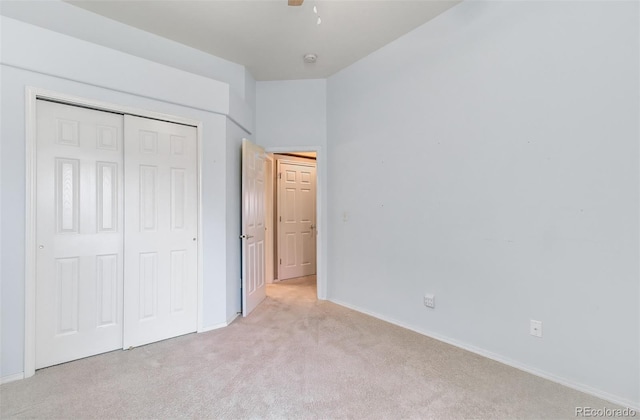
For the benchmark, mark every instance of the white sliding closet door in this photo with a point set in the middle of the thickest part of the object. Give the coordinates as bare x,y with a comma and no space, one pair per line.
160,231
79,262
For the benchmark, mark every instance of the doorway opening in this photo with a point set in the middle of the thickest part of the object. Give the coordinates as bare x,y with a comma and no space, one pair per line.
291,220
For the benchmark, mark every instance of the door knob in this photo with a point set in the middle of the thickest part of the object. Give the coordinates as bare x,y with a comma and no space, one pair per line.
246,236
313,226
41,246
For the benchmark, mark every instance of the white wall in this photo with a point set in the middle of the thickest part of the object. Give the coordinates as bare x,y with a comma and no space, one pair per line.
291,115
32,56
67,19
250,95
491,157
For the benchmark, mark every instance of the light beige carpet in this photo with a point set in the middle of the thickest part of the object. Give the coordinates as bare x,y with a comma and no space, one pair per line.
294,358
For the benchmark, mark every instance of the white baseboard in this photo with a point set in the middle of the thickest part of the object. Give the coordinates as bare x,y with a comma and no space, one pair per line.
213,327
233,318
18,376
498,358
11,378
218,326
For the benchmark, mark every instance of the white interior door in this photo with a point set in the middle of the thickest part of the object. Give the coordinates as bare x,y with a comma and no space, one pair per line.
296,219
253,226
79,267
161,199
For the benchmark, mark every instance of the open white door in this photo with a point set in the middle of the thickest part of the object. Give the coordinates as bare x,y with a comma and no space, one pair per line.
253,226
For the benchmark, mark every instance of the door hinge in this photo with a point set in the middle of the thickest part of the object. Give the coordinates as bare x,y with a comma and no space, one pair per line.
280,261
281,218
280,175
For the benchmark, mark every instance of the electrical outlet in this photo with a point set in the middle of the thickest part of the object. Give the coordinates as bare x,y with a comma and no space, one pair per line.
535,328
429,301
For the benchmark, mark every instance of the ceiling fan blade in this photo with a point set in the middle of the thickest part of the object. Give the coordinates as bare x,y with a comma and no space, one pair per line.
295,2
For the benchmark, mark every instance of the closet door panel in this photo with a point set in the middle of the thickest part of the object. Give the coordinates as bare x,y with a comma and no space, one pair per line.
161,196
79,231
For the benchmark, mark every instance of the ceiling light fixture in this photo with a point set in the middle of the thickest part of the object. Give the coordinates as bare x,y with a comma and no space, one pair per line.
319,20
315,10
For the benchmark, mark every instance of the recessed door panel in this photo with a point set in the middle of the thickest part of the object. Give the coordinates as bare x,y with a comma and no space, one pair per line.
178,145
178,279
307,212
308,254
148,200
251,260
108,138
290,247
148,141
259,276
178,190
289,206
108,292
67,295
67,134
148,284
107,196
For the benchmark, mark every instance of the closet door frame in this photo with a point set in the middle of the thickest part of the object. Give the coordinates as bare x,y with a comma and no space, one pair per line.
32,94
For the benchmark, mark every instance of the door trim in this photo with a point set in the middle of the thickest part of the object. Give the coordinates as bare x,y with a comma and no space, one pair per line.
321,165
32,94
269,224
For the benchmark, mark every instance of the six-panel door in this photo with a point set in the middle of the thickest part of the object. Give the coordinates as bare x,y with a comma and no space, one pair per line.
161,198
296,219
79,262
